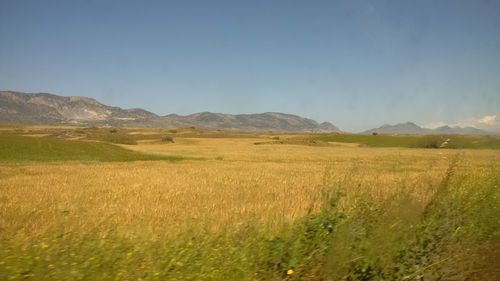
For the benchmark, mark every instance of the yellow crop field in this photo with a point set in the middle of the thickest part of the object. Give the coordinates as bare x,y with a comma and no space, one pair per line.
250,140
228,188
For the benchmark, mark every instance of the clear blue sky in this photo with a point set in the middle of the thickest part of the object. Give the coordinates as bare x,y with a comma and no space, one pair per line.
358,64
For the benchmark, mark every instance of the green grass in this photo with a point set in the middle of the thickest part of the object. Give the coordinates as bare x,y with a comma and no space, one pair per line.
111,135
430,141
15,148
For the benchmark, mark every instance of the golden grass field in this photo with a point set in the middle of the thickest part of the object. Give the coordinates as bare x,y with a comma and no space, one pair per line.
269,183
225,184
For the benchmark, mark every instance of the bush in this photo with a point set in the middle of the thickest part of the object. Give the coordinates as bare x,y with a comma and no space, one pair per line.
167,139
429,142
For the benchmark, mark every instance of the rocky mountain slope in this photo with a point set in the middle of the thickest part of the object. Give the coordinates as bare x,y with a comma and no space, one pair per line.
43,108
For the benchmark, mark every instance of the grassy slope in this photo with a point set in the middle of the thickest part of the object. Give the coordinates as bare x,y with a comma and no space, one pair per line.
474,142
15,148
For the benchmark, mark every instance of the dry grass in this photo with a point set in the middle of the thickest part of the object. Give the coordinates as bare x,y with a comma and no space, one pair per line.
271,184
243,212
154,196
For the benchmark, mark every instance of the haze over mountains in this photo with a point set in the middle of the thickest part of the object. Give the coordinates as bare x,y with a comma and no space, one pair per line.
43,108
410,128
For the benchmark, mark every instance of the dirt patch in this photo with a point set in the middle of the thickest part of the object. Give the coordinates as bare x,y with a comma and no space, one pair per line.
345,144
37,135
147,133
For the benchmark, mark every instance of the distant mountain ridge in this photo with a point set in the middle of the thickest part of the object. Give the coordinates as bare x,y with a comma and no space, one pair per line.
410,128
44,108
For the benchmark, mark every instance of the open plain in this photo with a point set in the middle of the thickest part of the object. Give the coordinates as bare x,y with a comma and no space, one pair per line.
133,204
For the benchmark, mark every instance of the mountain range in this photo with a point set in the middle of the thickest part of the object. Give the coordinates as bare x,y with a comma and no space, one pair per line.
44,108
410,128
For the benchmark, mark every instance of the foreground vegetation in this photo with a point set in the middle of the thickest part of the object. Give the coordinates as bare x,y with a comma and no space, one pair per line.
249,212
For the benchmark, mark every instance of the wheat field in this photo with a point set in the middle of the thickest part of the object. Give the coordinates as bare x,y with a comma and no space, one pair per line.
271,184
225,185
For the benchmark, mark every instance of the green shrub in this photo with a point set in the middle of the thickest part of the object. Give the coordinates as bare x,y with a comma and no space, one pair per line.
429,142
167,139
